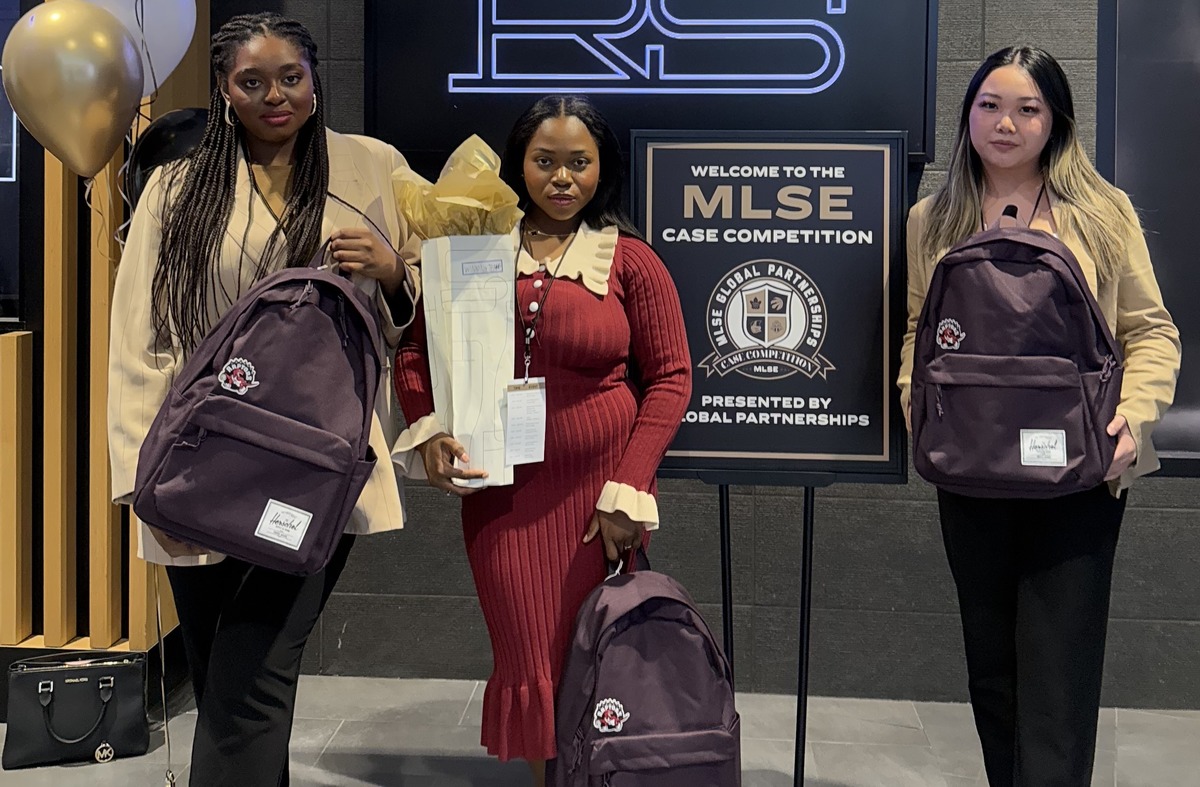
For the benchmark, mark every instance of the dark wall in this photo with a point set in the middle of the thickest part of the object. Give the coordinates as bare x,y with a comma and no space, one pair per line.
1158,164
221,10
885,621
337,28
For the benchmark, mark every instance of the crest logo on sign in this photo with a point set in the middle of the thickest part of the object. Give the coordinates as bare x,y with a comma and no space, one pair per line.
767,321
766,316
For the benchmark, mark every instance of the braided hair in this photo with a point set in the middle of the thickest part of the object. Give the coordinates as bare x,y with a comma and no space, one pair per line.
201,189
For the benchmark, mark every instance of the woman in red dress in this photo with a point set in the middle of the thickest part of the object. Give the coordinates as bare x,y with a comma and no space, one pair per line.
608,337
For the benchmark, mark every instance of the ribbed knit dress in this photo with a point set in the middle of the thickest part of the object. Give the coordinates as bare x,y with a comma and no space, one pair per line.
618,381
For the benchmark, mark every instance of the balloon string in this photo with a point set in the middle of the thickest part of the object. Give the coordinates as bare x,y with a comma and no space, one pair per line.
98,213
139,12
143,114
102,211
127,204
123,228
111,205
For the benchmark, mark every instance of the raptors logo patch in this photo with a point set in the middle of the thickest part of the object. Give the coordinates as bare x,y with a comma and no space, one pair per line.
238,376
950,334
610,716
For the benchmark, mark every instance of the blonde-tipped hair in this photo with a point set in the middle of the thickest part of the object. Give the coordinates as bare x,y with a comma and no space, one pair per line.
1096,212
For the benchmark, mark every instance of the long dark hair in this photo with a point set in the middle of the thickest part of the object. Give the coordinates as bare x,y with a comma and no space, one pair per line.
604,209
1048,75
200,193
1099,214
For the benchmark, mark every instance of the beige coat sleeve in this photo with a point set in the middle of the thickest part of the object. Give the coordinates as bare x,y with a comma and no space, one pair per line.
918,283
140,369
1152,351
409,246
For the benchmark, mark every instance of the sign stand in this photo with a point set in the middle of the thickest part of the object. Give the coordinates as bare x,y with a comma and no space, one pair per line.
726,575
805,628
810,482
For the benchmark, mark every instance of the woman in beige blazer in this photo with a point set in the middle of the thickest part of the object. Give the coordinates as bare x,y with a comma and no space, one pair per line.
1034,576
263,190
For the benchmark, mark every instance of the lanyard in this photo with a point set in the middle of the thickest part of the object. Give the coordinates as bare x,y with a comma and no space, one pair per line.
531,326
1037,203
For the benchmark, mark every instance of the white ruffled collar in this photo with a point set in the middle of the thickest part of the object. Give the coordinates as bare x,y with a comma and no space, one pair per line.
589,260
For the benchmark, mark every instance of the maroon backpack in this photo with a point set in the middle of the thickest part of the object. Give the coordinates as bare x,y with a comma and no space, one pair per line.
646,696
260,450
1016,374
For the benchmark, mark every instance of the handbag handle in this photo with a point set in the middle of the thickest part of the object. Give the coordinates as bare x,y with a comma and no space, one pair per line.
46,697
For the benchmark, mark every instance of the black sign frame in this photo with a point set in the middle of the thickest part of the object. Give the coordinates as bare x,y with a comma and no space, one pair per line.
889,465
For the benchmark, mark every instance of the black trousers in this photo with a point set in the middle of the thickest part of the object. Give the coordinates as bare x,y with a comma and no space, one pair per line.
1034,580
244,629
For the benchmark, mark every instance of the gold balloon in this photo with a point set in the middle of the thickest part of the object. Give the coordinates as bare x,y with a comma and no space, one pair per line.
73,75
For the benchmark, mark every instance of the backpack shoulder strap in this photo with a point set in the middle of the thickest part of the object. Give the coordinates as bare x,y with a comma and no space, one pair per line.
1114,348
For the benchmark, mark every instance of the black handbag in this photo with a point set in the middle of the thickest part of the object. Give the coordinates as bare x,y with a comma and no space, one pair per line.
75,707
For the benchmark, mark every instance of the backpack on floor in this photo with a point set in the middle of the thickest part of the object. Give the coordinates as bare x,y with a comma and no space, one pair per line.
260,450
646,698
1016,374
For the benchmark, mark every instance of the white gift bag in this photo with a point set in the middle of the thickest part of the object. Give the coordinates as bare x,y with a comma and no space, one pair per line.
469,297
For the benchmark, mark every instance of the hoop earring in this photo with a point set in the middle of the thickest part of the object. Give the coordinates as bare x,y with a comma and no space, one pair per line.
228,116
314,109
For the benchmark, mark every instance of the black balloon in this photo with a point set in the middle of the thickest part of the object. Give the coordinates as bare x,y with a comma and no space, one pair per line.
168,138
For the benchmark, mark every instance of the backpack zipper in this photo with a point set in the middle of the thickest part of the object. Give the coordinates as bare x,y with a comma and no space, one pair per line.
577,760
341,308
303,296
183,443
63,666
1110,363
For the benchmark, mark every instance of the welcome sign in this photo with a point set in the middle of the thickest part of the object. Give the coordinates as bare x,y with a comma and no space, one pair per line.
785,253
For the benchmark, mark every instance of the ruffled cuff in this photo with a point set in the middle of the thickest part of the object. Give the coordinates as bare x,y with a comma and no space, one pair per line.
405,456
638,506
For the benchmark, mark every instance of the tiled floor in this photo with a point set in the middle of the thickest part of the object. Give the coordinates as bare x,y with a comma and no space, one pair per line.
359,732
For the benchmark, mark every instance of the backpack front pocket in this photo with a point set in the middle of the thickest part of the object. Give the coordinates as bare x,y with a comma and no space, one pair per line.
679,759
247,480
1017,426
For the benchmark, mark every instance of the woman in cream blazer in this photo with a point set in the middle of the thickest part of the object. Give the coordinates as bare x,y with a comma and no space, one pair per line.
1034,576
265,188
140,371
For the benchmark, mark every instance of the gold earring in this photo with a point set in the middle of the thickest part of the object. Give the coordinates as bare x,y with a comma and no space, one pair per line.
228,116
314,109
